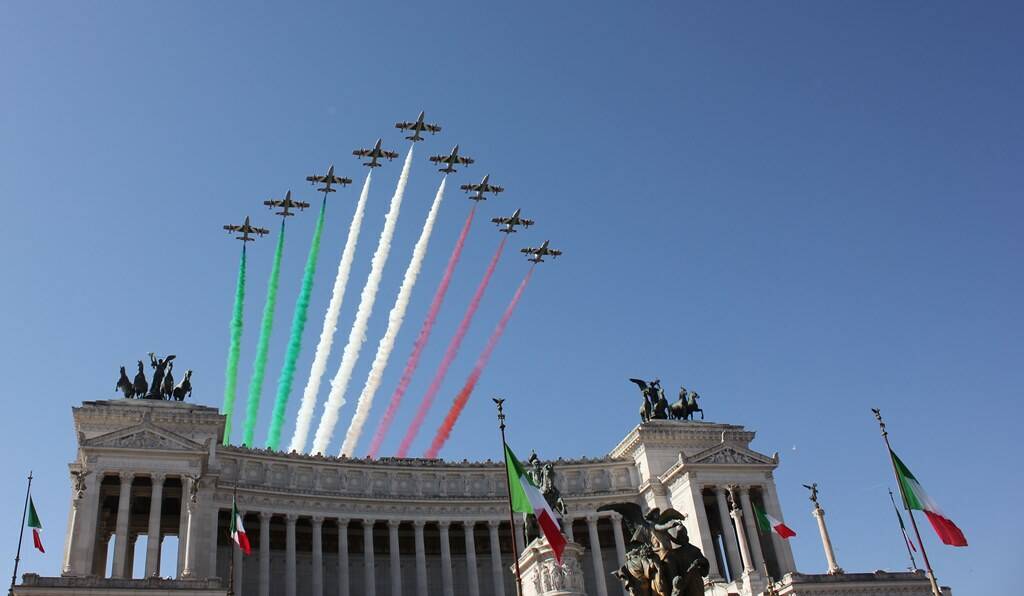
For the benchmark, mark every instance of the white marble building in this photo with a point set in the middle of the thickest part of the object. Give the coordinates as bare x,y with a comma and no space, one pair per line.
350,527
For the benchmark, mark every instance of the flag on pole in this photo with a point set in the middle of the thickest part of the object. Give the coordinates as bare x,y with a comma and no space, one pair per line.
238,530
36,525
769,524
526,498
914,497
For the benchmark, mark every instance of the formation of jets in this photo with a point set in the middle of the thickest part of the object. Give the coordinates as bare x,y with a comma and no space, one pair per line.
246,228
417,127
536,254
286,204
375,154
451,160
327,180
480,189
510,223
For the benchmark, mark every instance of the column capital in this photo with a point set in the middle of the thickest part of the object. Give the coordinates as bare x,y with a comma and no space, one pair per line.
318,520
591,519
394,523
494,524
126,477
616,519
157,477
418,524
368,523
444,524
469,524
266,515
343,522
291,518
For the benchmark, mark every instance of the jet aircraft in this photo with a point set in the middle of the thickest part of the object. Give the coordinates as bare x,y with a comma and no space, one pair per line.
541,251
246,228
374,154
286,204
418,127
480,189
327,180
451,160
510,223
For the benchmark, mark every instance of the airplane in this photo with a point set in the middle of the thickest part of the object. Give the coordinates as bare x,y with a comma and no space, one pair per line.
481,188
246,228
541,251
451,160
328,179
374,154
510,223
418,127
286,204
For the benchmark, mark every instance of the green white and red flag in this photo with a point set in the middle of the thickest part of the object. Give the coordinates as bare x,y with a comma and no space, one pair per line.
769,524
527,498
36,525
238,530
914,497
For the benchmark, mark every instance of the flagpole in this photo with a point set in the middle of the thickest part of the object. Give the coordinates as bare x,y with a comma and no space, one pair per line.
231,560
511,515
903,532
913,522
21,533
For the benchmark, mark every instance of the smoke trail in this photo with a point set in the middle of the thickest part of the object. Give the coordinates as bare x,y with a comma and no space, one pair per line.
284,382
259,367
357,335
421,339
231,374
395,319
460,400
323,347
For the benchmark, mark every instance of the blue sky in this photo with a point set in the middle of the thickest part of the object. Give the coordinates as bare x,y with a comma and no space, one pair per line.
800,210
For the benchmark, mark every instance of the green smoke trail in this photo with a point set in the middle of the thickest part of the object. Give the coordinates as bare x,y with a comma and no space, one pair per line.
259,367
231,374
284,383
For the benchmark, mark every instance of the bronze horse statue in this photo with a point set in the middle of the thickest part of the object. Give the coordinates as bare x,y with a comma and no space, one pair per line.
124,385
687,406
140,385
184,387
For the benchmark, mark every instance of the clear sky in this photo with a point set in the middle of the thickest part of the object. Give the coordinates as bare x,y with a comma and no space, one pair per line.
801,210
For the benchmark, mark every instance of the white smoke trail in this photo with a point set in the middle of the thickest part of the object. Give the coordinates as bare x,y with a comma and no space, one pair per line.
395,318
323,348
357,335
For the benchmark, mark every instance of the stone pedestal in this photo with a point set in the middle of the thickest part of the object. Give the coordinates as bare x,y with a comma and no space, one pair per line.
543,576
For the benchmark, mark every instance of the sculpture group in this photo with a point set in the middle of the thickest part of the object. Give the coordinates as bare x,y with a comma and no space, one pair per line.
162,386
656,407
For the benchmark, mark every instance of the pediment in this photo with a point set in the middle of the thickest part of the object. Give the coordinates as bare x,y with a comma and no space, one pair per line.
730,455
143,436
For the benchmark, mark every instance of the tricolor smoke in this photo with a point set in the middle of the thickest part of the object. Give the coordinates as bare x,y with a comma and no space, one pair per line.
460,400
421,339
284,382
323,347
252,407
234,349
395,319
357,335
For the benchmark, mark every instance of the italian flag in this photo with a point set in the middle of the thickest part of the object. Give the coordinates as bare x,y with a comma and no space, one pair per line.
914,497
35,524
769,524
238,530
526,498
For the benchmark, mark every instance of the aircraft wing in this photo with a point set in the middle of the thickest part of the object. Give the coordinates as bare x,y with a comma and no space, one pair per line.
470,187
554,253
497,189
300,204
362,152
260,231
465,160
432,127
439,159
316,178
404,125
526,222
389,154
273,203
501,220
529,250
233,228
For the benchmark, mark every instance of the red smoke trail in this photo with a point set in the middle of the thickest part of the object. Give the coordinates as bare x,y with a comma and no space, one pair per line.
450,353
460,400
421,339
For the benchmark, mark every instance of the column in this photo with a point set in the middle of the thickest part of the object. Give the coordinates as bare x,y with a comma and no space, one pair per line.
123,511
369,579
182,525
156,501
519,528
77,492
751,527
620,543
567,528
396,557
741,535
99,564
421,559
343,557
265,517
214,536
783,552
497,573
289,558
595,556
826,542
471,574
191,504
83,536
447,585
728,537
705,541
236,557
318,556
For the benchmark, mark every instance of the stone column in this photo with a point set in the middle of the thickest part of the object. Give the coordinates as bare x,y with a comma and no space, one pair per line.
595,556
318,556
737,517
153,538
396,557
369,578
728,537
343,557
826,542
471,574
265,517
123,511
567,528
421,559
289,565
620,543
751,527
214,535
189,565
99,564
447,584
236,557
77,493
783,552
519,528
82,535
129,560
497,573
182,525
